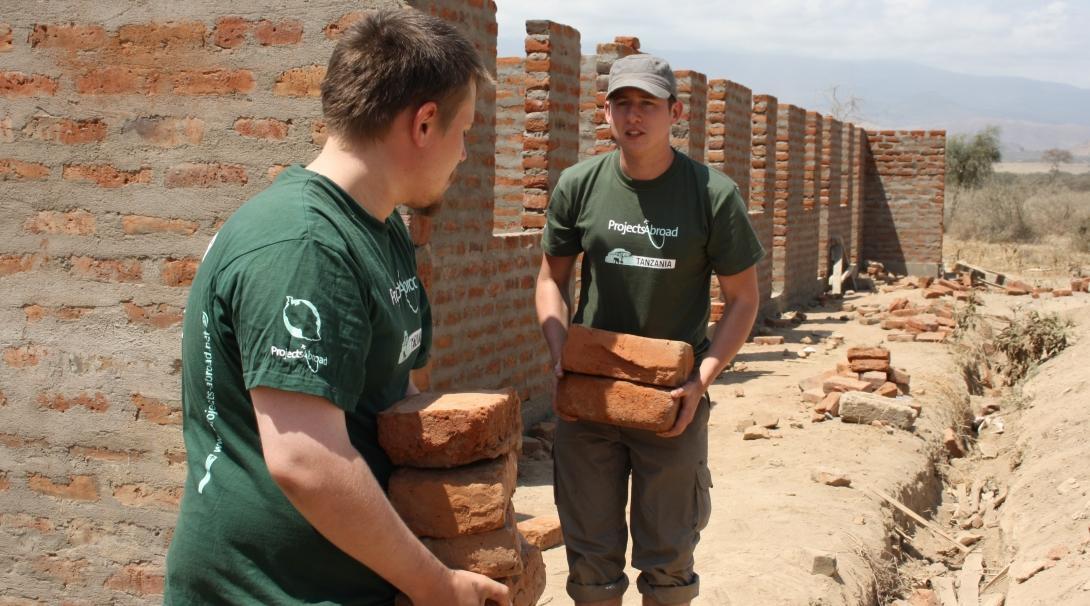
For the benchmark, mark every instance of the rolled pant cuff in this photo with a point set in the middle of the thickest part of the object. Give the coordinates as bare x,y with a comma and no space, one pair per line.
670,594
597,593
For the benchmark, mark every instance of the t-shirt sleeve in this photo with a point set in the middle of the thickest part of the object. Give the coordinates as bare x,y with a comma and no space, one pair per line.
561,237
301,322
733,246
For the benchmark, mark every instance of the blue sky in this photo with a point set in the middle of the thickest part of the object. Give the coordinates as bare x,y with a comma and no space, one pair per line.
1042,40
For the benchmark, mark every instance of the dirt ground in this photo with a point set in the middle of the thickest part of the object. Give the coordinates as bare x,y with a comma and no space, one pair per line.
768,514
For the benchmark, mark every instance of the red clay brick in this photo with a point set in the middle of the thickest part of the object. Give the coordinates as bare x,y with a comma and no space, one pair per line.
230,32
447,503
119,80
171,35
494,554
105,175
17,170
179,272
922,323
139,225
450,429
843,384
616,402
154,411
888,390
67,572
5,37
72,223
107,270
168,132
65,130
79,488
213,82
205,175
157,315
868,353
300,82
104,454
525,589
23,356
18,84
143,495
862,365
138,579
93,402
264,128
543,532
335,29
68,36
287,31
768,340
616,355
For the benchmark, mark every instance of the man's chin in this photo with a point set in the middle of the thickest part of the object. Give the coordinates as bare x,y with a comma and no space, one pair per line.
427,210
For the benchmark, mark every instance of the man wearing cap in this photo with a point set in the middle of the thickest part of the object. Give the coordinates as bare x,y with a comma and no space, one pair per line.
652,225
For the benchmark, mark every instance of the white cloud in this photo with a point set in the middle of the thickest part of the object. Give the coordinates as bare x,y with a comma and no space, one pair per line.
1028,38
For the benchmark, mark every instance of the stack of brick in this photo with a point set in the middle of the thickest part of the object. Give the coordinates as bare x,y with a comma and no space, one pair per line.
932,323
622,379
867,370
456,458
1080,284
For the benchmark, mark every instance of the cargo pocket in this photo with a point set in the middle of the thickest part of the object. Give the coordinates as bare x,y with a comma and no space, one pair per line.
703,496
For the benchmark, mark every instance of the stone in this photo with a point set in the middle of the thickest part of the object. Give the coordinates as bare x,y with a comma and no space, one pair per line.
857,407
969,538
813,396
542,532
1061,292
739,392
446,503
923,597
604,353
494,554
830,477
616,402
767,420
525,589
450,429
1058,552
822,562
952,442
806,341
900,337
888,390
1024,571
869,320
839,383
773,340
756,432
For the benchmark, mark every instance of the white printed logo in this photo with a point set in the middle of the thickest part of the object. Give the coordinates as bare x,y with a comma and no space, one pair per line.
302,320
402,289
410,344
620,256
647,229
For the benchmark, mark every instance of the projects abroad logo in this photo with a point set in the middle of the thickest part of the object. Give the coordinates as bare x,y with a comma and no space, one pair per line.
645,228
620,256
402,289
303,323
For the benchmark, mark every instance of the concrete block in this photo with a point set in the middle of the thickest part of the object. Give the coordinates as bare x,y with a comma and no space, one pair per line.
450,429
857,407
602,353
494,554
616,402
446,503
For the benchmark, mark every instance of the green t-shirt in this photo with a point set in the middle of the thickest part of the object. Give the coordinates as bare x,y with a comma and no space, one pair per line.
649,247
303,291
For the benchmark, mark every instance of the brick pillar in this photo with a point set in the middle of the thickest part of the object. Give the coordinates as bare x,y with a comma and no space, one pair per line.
510,124
688,133
762,196
859,161
589,112
796,227
829,226
609,52
551,140
730,107
812,174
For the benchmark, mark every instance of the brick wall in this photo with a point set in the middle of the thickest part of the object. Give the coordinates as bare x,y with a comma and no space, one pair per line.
510,124
688,134
604,58
904,190
835,221
762,189
860,159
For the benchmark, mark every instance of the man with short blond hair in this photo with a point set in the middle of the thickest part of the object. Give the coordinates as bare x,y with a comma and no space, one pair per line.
303,323
652,226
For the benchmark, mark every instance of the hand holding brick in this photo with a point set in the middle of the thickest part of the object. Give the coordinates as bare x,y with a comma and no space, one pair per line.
616,402
603,353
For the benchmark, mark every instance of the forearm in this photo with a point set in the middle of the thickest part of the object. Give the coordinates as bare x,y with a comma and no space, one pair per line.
730,333
341,491
553,314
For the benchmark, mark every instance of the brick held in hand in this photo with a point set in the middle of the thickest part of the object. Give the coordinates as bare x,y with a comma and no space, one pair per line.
446,503
525,589
450,429
494,554
616,402
603,353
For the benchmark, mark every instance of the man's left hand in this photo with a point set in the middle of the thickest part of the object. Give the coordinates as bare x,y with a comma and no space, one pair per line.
689,395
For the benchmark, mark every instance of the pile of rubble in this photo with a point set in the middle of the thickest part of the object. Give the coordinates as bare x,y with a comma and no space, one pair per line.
456,458
864,389
931,323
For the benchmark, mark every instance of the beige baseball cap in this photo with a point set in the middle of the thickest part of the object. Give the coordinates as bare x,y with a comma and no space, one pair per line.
645,72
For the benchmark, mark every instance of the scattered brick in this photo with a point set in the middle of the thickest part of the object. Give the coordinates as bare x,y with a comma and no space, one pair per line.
952,442
865,408
901,337
616,402
604,353
543,532
894,324
888,390
1061,292
831,477
863,365
922,323
842,384
931,337
768,340
830,403
874,377
756,432
450,429
446,503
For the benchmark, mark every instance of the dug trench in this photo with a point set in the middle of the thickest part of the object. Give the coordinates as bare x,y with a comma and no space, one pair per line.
809,512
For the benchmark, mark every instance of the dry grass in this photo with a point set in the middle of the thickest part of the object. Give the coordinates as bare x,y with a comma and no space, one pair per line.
1051,260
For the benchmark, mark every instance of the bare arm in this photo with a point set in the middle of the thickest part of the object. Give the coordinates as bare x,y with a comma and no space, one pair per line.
553,301
309,455
742,298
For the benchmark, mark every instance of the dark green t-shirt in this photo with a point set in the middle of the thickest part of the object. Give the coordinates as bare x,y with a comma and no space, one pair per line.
649,247
303,291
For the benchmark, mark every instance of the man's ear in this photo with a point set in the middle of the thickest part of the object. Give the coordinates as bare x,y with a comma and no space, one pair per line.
676,110
608,110
425,123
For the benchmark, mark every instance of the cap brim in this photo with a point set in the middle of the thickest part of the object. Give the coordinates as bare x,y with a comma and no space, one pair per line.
637,82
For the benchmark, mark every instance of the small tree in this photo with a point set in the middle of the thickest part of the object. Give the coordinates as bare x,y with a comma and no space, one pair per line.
1055,157
845,110
969,159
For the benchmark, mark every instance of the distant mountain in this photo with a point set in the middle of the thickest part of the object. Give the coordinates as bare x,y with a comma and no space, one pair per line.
1033,115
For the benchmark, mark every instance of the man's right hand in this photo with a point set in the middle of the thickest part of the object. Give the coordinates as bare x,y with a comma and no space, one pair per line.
558,373
465,588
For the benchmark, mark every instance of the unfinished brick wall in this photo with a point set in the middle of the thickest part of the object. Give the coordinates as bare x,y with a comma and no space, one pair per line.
588,105
796,225
551,141
510,125
904,195
860,152
834,221
688,134
606,54
762,189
